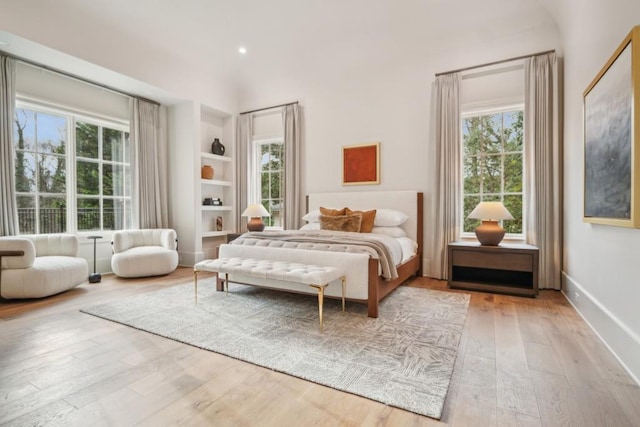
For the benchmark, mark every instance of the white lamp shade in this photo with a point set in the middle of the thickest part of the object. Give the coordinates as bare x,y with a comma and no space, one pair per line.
256,210
490,211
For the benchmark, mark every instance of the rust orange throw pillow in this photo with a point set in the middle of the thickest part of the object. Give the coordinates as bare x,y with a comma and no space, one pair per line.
368,218
340,222
332,212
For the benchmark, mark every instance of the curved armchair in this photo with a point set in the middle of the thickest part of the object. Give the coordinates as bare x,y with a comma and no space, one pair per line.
49,264
141,253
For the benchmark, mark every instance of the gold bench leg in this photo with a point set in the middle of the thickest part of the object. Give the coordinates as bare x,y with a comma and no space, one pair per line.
320,289
195,282
344,290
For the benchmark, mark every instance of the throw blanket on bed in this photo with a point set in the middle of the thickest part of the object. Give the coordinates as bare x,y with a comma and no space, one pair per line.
327,241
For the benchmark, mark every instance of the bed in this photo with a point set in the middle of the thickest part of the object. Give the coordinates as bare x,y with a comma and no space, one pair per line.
366,281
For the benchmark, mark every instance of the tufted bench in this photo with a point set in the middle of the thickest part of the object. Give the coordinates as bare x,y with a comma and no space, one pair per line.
316,276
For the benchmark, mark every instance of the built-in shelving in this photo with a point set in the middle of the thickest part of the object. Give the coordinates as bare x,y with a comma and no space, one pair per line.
216,208
216,182
201,228
216,233
216,157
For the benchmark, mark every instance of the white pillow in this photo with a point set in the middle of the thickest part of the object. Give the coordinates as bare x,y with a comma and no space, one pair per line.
311,226
389,218
313,216
389,231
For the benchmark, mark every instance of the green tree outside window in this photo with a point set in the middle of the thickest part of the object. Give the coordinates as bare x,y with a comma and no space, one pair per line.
493,165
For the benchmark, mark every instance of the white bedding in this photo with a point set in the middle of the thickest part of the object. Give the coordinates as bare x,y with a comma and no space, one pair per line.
407,246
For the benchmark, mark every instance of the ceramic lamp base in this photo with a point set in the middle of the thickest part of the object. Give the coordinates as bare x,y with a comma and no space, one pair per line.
255,224
489,233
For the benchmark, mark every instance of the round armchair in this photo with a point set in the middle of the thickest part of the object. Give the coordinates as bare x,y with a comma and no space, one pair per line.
142,253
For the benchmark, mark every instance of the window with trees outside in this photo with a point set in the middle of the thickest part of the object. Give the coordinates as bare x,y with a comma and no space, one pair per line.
271,177
493,165
72,173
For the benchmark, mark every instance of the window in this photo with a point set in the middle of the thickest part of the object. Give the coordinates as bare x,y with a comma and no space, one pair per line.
271,179
493,164
40,164
66,180
103,177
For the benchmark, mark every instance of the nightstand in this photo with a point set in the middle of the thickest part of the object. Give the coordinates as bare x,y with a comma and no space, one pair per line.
507,268
233,236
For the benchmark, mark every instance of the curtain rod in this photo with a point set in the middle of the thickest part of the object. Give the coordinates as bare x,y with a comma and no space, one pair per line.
495,62
73,76
269,108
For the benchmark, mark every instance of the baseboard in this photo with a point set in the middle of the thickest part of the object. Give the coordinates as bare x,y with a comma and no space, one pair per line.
616,335
426,266
189,259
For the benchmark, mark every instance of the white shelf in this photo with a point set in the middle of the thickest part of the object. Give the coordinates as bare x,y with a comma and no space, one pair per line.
216,157
215,233
216,208
215,182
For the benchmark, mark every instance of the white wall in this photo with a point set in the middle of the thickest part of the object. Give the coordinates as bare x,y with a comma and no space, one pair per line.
377,95
55,89
601,267
68,38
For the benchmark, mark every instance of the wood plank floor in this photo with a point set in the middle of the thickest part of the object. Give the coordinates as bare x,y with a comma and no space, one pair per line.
521,362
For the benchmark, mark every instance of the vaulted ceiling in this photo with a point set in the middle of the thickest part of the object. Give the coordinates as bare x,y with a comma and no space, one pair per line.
206,34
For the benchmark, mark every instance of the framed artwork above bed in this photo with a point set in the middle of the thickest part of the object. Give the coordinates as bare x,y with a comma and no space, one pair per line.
361,164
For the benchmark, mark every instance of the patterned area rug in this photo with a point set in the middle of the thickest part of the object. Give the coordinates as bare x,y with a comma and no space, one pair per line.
404,358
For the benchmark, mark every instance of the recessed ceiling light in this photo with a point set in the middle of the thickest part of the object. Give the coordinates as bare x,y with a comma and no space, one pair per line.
242,50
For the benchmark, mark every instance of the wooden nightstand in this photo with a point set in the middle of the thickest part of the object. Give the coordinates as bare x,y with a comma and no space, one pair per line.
507,268
233,236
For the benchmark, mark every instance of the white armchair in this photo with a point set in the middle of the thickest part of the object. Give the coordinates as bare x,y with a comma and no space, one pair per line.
141,253
49,264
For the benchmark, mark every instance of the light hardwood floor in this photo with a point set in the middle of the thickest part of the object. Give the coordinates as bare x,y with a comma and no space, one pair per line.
521,362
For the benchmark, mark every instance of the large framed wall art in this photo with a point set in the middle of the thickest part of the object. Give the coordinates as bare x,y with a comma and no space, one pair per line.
612,138
361,164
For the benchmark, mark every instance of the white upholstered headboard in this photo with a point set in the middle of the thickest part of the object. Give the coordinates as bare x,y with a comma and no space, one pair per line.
409,202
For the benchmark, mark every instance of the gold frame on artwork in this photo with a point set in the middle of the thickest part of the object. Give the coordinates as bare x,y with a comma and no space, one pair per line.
611,108
361,164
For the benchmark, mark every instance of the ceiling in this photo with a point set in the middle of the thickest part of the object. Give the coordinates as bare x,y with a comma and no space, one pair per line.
278,33
209,32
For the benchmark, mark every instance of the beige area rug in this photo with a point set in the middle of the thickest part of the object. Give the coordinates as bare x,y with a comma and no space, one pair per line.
404,358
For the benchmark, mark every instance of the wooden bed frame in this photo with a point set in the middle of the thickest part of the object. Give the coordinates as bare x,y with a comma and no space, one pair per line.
378,287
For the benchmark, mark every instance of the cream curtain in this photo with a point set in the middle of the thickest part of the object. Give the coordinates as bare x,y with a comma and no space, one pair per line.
448,187
543,165
9,224
292,116
149,168
245,168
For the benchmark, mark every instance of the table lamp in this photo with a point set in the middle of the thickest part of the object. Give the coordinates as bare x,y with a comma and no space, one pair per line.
489,233
255,214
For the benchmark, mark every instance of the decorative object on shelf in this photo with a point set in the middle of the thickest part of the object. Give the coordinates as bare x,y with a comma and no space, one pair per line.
361,164
206,172
217,147
611,113
216,202
94,277
489,233
219,223
255,214
208,201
